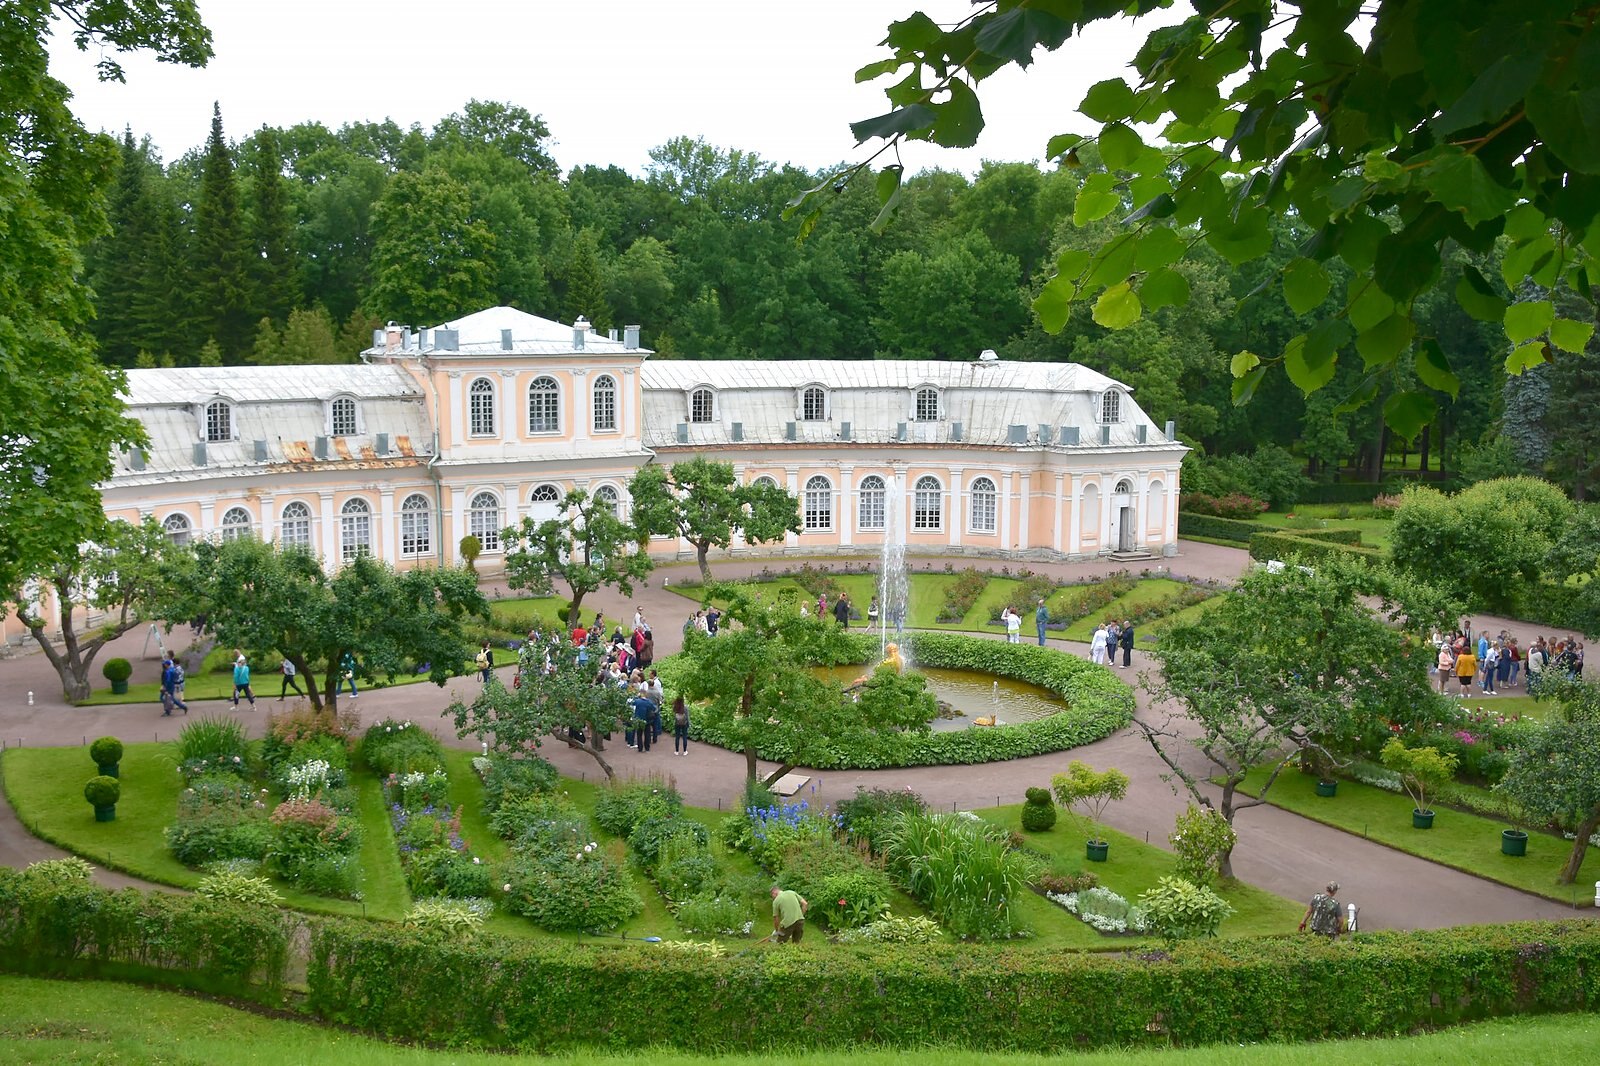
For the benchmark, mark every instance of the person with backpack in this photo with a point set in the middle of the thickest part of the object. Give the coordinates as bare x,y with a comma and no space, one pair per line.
680,727
241,680
485,663
290,680
1323,914
347,672
171,680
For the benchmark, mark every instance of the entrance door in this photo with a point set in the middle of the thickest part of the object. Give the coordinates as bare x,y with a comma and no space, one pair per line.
1125,529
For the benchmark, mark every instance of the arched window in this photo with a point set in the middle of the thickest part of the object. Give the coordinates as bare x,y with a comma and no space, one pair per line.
928,404
178,528
544,406
219,421
480,408
236,523
1110,406
871,514
605,404
818,504
1124,487
606,497
983,506
416,526
765,480
813,404
927,509
343,417
702,405
355,529
545,494
483,520
296,528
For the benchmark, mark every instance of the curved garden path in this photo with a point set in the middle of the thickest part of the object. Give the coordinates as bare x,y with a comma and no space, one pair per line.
1278,851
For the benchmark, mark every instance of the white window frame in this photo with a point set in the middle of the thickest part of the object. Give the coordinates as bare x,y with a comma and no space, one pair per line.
610,497
337,427
485,522
416,526
355,528
872,504
544,406
299,523
918,413
807,393
178,527
220,427
818,509
697,416
482,404
538,495
604,397
233,530
921,522
983,506
1110,407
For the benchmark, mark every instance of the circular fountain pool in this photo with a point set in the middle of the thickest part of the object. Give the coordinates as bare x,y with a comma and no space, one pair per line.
972,695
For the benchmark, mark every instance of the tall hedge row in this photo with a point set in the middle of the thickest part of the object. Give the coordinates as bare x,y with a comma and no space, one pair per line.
1236,530
1267,546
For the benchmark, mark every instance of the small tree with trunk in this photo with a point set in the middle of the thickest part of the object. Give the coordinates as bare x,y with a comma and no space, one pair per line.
1087,792
588,546
120,575
1555,771
702,501
1421,770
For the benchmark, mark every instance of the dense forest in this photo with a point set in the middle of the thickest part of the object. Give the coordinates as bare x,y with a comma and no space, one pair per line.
290,245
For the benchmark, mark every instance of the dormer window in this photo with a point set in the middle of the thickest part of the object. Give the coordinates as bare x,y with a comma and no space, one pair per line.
218,421
927,409
1110,407
702,406
813,404
342,417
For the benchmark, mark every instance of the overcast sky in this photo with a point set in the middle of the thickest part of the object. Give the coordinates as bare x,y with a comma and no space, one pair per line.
612,78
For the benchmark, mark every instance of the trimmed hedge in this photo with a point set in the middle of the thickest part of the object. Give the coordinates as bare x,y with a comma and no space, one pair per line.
1267,546
1336,535
1098,702
1237,530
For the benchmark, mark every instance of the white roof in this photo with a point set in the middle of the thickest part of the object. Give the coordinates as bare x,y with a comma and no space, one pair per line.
482,333
257,384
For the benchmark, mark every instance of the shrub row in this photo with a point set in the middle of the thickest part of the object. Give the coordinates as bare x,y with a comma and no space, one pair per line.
1098,704
1234,530
1083,600
1230,505
437,860
962,594
1268,546
1336,535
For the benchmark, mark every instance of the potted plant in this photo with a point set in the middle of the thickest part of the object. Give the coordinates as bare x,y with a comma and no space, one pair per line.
106,753
1513,842
1087,791
102,793
117,671
1421,770
1039,812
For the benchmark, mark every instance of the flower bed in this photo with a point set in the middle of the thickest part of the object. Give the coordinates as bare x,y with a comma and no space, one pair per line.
427,831
1102,909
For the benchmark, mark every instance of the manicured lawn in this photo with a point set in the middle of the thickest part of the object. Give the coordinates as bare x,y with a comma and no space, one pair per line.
1148,591
1463,841
522,614
100,1021
1132,867
1374,531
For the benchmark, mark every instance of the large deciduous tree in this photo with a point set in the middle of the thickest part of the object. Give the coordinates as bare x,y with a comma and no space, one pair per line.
434,253
1555,771
1294,662
702,501
1394,130
588,546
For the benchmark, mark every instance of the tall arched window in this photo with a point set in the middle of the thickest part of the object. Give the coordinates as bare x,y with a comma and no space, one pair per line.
178,528
927,510
342,417
984,505
871,514
544,406
355,529
236,523
296,528
1110,406
702,405
928,404
219,421
416,526
483,520
606,496
480,408
818,505
813,404
605,404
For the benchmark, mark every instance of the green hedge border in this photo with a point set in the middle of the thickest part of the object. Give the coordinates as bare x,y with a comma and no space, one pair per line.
1099,704
1236,531
492,992
1269,546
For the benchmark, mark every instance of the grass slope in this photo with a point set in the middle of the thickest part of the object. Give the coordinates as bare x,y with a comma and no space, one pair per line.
1465,842
69,1022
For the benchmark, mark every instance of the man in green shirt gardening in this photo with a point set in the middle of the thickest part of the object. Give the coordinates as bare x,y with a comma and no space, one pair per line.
788,915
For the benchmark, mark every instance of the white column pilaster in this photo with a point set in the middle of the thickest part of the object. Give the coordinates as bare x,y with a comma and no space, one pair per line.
458,409
388,535
1025,539
959,502
1055,510
330,532
846,518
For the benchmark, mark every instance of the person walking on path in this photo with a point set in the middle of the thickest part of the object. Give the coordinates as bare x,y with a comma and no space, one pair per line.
841,611
789,910
1323,913
1041,618
171,683
680,727
485,663
347,672
241,680
290,680
1125,638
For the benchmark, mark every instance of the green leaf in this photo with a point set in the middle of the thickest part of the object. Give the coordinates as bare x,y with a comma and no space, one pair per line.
1525,222
1062,143
1161,206
960,118
1408,412
1368,306
1308,369
1162,246
1053,305
1433,369
1527,320
1118,307
1164,288
889,189
1108,100
1490,98
1114,261
1239,241
878,69
1305,285
1093,205
1570,335
1569,125
1071,261
1119,146
1383,343
1242,363
1245,387
1525,260
900,120
1461,182
916,33
1478,298
1362,395
1014,34
1526,357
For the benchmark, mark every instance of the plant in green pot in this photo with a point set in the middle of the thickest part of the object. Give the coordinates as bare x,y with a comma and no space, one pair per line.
1087,792
106,753
102,793
117,671
1422,771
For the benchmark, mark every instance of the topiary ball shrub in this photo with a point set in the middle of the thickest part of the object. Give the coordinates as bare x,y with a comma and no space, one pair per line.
1039,812
102,793
106,753
117,670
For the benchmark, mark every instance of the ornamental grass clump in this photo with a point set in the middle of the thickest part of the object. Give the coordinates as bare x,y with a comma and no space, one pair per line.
218,743
963,870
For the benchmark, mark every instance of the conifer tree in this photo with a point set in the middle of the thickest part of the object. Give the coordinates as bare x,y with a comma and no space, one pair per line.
267,348
586,284
117,261
222,282
274,260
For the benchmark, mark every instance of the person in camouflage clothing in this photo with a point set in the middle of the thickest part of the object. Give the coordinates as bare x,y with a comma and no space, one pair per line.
1324,914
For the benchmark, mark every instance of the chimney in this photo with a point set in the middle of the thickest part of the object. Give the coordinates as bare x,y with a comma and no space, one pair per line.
505,340
580,330
611,335
392,337
424,339
407,342
377,338
1172,430
445,339
630,337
